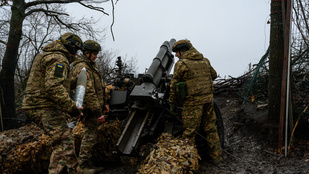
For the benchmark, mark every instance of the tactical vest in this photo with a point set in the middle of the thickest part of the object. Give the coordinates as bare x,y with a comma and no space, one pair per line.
199,81
99,85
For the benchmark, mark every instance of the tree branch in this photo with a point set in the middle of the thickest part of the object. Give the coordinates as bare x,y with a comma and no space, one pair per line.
113,20
4,3
34,3
55,14
57,19
100,9
47,12
1,41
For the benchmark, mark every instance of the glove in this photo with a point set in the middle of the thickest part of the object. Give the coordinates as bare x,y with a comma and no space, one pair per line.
76,112
101,119
173,109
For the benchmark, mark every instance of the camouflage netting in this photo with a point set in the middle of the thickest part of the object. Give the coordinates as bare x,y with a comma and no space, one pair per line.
108,134
171,155
28,149
24,150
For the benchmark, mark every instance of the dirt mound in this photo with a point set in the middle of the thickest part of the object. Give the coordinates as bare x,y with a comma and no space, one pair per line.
247,148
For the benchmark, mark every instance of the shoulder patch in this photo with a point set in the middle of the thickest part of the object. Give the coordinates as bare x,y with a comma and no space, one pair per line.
59,70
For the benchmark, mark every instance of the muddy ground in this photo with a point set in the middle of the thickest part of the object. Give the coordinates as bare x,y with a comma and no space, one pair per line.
247,149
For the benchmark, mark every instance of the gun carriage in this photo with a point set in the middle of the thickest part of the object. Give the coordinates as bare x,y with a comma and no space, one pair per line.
142,105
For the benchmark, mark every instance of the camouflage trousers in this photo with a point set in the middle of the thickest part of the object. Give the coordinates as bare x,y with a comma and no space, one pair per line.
54,124
202,115
89,140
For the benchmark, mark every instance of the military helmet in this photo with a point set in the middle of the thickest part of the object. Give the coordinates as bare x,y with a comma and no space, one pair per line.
182,45
91,46
72,42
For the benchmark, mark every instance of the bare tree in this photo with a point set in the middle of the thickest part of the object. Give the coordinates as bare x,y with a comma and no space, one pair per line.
38,31
300,59
21,10
107,65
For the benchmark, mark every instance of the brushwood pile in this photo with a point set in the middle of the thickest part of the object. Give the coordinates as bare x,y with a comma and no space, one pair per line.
28,149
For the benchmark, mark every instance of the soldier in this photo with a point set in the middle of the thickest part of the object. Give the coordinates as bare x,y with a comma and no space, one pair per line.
47,101
197,75
93,103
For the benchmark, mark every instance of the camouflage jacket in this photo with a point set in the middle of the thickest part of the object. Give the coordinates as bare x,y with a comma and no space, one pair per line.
94,97
49,83
198,75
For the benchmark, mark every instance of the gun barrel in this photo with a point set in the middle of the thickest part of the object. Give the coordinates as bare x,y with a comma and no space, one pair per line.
143,95
145,98
161,64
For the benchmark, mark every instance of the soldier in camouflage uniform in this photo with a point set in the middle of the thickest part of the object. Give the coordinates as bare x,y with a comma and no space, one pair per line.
93,103
47,101
198,75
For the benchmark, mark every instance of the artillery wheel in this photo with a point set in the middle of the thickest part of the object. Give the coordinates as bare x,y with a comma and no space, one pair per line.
201,142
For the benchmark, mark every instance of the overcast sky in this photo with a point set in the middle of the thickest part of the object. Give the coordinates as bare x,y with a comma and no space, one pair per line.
230,33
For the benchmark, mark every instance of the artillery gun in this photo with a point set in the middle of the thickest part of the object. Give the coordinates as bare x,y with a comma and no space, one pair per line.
142,105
